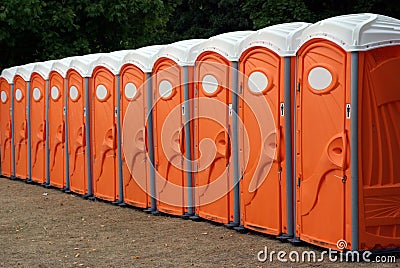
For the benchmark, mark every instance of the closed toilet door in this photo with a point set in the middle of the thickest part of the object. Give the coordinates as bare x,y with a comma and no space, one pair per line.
322,143
5,128
57,131
20,128
104,135
77,133
214,180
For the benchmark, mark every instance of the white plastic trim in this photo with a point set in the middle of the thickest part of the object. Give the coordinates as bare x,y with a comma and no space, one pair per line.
143,58
184,53
283,39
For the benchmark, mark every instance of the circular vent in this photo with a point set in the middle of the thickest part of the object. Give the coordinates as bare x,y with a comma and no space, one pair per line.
319,78
258,82
210,83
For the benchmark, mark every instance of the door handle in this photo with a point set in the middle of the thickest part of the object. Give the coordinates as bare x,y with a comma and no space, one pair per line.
23,132
227,145
182,140
61,133
337,150
277,157
146,142
41,135
109,139
9,133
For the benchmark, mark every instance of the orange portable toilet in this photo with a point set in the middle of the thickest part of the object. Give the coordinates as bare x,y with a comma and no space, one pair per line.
267,65
58,163
105,127
172,76
217,178
22,138
78,124
347,133
38,118
6,122
135,93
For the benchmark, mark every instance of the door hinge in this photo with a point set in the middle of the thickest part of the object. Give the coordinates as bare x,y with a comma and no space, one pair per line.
298,87
298,182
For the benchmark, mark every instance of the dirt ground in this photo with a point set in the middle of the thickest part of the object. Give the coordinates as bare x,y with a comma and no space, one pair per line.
42,227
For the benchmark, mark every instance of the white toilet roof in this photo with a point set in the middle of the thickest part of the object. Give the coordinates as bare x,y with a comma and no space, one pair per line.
356,32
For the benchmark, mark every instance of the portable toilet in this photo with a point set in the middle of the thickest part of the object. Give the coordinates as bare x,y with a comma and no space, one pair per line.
58,146
173,88
347,133
78,124
267,77
136,97
217,179
6,122
39,114
22,137
106,128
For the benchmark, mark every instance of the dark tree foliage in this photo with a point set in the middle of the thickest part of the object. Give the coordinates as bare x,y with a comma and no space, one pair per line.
266,13
203,19
38,30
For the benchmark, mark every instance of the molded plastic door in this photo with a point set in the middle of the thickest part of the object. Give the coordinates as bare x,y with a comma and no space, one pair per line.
322,143
77,133
214,179
104,133
20,128
5,128
169,137
57,131
38,128
263,183
133,119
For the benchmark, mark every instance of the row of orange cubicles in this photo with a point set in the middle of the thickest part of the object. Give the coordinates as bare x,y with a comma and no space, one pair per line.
291,130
